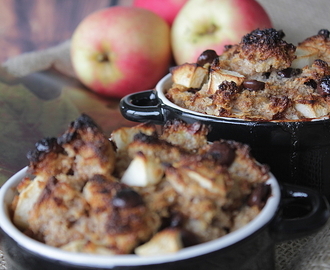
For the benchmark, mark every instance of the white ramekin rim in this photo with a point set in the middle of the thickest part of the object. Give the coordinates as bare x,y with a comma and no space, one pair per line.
166,82
7,193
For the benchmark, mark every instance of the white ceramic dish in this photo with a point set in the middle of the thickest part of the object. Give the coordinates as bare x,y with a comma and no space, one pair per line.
298,152
268,227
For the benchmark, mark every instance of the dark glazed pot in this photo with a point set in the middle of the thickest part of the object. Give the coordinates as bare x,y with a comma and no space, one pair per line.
290,212
298,152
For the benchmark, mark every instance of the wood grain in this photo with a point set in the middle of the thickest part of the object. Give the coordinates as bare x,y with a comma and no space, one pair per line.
27,25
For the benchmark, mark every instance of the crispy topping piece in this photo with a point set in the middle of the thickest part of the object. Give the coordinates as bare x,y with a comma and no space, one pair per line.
189,75
42,148
230,87
263,78
266,37
222,152
268,47
188,136
122,137
83,123
167,188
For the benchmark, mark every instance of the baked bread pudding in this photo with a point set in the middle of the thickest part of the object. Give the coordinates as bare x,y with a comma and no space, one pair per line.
262,78
145,191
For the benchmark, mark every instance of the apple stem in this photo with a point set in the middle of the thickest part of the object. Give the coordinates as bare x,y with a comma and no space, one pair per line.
210,30
102,58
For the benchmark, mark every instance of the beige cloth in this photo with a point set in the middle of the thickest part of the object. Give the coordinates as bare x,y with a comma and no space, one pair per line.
298,19
57,57
2,262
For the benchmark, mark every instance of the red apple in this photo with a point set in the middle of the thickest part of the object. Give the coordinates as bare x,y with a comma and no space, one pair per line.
167,9
120,50
212,24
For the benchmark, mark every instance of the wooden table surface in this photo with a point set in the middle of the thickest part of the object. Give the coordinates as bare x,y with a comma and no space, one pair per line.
27,25
47,101
25,116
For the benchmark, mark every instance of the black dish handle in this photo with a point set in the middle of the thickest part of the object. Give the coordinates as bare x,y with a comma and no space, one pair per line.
302,212
141,107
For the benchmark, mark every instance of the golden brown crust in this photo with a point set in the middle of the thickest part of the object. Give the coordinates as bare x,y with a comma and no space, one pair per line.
259,51
321,42
166,183
264,78
189,137
56,214
115,219
92,151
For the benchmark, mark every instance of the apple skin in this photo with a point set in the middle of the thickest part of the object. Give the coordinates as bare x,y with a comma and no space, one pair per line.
167,9
212,24
120,50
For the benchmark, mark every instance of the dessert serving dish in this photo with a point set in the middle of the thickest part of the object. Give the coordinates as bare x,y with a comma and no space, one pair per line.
297,152
263,92
251,247
149,199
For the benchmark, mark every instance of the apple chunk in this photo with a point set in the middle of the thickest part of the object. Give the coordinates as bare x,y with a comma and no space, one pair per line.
189,75
164,242
217,77
143,171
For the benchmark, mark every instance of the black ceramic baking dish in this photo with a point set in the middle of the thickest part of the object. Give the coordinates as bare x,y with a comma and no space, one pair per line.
290,212
297,152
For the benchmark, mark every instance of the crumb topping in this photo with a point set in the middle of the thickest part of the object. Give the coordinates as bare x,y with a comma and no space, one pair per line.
145,186
262,78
